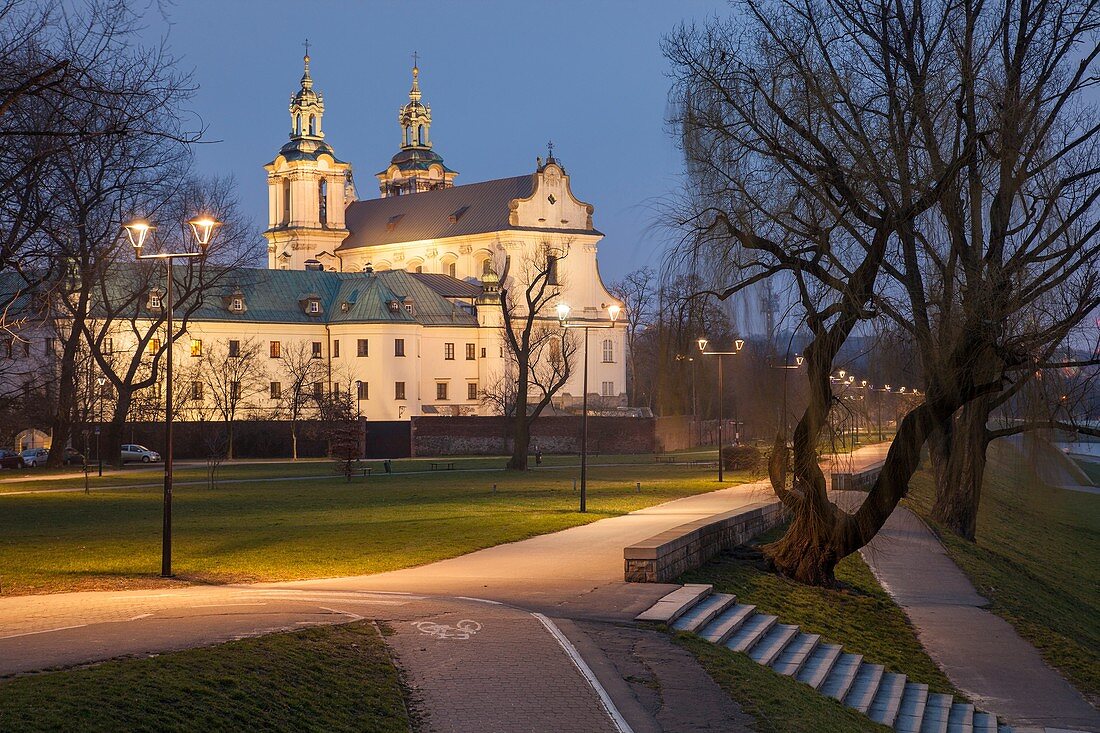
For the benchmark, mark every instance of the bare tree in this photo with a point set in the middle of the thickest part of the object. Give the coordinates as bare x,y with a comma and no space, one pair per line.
235,377
300,394
638,293
541,351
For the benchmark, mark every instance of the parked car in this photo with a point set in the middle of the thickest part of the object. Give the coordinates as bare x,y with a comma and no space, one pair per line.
35,457
10,459
73,457
133,452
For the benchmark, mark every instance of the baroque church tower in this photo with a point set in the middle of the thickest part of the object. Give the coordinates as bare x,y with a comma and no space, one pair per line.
308,190
416,167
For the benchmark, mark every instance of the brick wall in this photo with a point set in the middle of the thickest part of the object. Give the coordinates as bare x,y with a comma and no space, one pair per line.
440,436
675,432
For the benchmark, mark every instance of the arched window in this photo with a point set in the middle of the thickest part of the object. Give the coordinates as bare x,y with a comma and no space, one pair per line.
286,201
409,135
608,351
486,266
452,269
420,135
322,201
298,125
312,125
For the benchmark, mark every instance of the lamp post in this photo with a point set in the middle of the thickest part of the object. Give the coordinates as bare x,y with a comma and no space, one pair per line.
358,418
738,344
202,228
613,311
694,408
99,421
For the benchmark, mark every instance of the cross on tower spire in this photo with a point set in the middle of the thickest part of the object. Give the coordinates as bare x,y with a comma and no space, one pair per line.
306,44
416,58
549,151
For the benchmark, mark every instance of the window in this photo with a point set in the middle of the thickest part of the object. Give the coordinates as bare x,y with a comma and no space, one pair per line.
286,201
318,390
449,352
322,202
196,347
312,125
276,349
399,347
441,390
108,345
607,389
236,305
154,346
399,390
234,348
452,269
551,270
336,390
297,124
234,391
276,390
471,352
364,391
315,350
196,390
482,352
555,352
336,348
154,300
314,306
362,347
471,391
486,266
608,351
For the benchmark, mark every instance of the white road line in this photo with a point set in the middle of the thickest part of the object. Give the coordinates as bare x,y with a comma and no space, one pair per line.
354,616
43,631
140,615
220,605
578,660
480,600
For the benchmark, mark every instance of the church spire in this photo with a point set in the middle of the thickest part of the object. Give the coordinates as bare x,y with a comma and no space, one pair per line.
306,106
415,117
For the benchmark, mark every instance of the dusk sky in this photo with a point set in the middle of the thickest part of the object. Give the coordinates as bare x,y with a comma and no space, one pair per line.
502,78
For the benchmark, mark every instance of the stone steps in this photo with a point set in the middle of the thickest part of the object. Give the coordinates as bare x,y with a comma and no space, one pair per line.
885,697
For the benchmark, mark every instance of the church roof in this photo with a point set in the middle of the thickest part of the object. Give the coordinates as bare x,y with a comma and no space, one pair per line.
416,159
304,148
475,208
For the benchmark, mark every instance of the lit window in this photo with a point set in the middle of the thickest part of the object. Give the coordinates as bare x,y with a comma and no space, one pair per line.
196,347
315,350
449,352
154,346
362,348
276,390
276,349
399,390
399,347
471,352
608,351
441,390
471,391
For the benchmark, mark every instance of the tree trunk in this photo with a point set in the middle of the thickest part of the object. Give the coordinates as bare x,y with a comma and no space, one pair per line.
112,443
294,440
229,439
521,443
807,551
958,462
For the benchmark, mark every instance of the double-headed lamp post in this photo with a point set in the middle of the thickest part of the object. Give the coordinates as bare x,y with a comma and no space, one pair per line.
202,228
738,344
613,311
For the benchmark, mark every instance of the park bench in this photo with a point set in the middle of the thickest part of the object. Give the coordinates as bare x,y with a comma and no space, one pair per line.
664,458
443,465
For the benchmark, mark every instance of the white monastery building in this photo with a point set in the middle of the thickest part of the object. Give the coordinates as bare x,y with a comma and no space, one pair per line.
399,295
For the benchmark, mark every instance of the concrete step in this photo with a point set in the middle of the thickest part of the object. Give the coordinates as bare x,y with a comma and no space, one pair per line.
820,663
884,708
961,718
703,612
753,630
985,723
936,711
840,679
768,649
911,710
675,604
864,687
795,655
727,623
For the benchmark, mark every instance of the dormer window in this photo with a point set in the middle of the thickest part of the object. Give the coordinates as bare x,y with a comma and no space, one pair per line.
155,301
237,305
311,304
314,307
394,306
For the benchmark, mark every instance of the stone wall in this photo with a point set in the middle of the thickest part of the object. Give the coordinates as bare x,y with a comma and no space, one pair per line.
664,557
443,436
675,432
857,481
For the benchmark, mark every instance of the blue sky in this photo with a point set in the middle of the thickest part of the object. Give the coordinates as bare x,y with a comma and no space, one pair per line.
502,78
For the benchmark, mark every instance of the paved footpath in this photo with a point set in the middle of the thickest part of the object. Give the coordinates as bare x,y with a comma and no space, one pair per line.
980,652
517,670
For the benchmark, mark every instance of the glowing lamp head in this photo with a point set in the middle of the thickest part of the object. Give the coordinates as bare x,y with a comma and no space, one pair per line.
739,344
137,231
202,227
842,373
798,359
851,379
613,311
563,311
702,344
863,383
901,390
886,387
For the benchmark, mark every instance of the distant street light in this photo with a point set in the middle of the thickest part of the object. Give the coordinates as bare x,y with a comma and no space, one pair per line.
613,311
202,229
101,380
738,344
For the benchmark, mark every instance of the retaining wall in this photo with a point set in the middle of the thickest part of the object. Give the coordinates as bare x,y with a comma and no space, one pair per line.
487,435
666,556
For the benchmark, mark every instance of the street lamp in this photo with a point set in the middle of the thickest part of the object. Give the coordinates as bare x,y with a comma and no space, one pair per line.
100,380
202,228
738,344
613,311
694,409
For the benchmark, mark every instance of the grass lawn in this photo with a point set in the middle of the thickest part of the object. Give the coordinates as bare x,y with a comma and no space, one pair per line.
334,678
1037,560
281,530
779,704
1091,469
860,615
